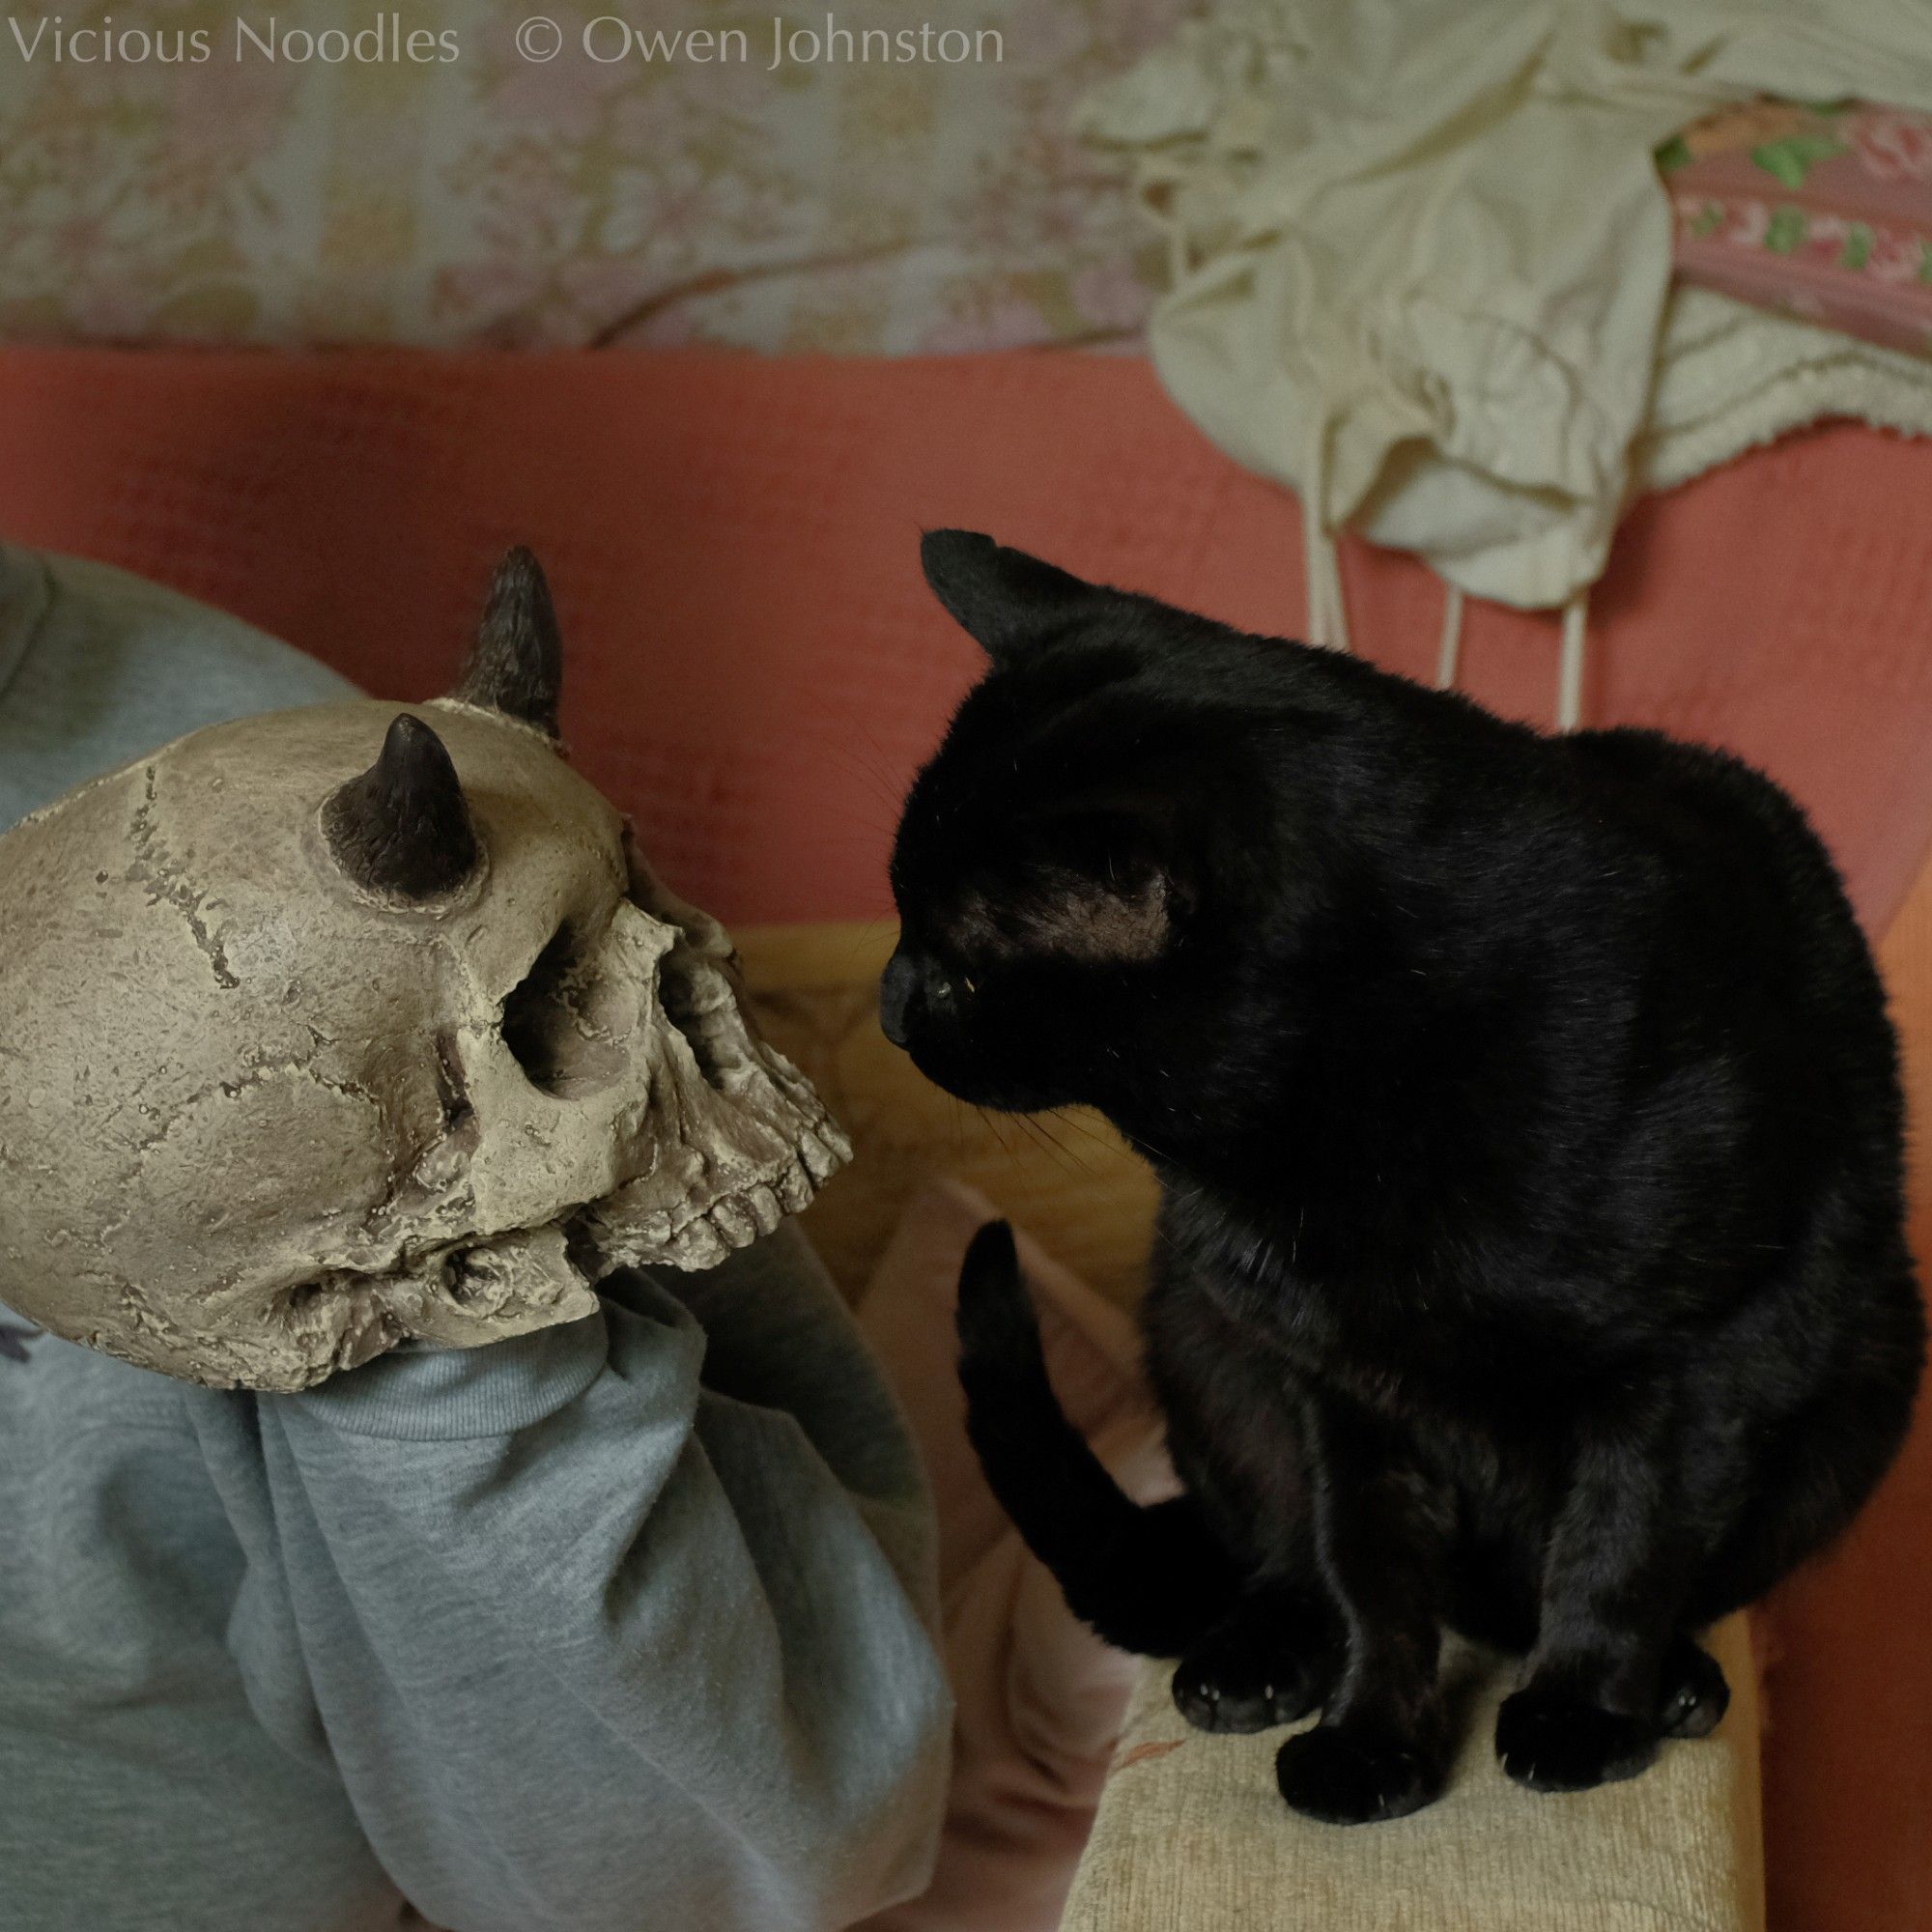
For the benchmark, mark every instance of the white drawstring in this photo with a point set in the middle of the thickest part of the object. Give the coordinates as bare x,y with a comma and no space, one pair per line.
1570,678
1328,623
1570,670
1328,614
1312,541
1331,573
1449,652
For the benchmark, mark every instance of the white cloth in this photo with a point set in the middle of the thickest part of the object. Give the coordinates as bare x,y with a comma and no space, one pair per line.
1421,256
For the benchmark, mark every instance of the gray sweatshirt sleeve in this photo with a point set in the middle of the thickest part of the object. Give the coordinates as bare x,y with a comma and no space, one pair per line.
594,1644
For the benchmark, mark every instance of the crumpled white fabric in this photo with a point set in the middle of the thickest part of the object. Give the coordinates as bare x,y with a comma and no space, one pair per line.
1422,256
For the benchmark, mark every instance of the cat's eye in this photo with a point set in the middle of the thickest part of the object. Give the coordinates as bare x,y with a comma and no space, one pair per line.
971,984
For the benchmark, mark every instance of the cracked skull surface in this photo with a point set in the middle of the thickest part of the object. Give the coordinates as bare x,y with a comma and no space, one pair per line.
335,1027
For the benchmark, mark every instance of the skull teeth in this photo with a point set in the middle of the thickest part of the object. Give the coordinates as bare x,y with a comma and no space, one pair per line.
734,1222
698,1244
820,1162
766,1212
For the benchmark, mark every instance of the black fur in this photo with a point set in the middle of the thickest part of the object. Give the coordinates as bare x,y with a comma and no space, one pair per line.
1527,1115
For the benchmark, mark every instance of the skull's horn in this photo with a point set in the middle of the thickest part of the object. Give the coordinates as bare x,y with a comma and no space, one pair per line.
516,665
402,827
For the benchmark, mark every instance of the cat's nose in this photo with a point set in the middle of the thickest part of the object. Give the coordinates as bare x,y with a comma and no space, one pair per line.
897,986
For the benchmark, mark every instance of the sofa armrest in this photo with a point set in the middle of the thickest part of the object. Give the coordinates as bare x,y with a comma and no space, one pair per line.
1191,1836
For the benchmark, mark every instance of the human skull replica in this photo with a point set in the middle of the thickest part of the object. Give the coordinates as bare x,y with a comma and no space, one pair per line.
334,1027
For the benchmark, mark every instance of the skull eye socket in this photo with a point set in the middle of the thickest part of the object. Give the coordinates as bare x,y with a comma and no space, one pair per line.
549,1028
694,1016
698,1005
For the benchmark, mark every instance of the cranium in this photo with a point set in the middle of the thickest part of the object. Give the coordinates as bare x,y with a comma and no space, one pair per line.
334,1027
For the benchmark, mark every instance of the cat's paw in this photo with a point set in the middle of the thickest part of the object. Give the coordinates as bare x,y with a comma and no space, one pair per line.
1244,1676
1695,1694
997,1326
1353,1774
1554,1742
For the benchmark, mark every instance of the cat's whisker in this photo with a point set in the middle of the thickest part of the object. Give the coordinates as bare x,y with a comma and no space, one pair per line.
1068,1117
887,787
999,1140
1064,1155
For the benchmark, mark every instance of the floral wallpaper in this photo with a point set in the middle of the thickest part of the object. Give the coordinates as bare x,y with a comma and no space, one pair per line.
877,177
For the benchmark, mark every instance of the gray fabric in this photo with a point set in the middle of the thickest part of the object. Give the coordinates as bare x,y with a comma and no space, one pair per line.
98,666
626,1624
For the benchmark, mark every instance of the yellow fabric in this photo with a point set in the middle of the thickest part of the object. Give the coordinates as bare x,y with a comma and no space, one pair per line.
1191,1836
1421,254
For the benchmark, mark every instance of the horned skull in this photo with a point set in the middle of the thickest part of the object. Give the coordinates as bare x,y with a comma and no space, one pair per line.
336,1026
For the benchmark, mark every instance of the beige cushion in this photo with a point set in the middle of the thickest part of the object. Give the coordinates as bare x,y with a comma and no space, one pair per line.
1191,1833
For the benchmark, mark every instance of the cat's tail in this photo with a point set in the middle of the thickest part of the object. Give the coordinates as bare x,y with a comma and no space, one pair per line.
1148,1578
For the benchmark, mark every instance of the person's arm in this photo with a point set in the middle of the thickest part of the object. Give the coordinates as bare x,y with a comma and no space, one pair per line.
97,668
595,1646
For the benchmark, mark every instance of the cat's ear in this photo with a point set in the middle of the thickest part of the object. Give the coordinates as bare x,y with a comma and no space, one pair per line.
1004,598
1126,854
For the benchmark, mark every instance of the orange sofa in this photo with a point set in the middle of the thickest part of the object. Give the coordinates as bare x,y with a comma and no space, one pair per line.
756,669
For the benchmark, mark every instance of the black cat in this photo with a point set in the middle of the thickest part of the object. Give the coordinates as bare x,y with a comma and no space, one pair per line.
1527,1115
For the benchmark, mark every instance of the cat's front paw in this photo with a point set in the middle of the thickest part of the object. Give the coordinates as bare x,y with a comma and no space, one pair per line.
1242,1678
1355,1774
1553,1742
